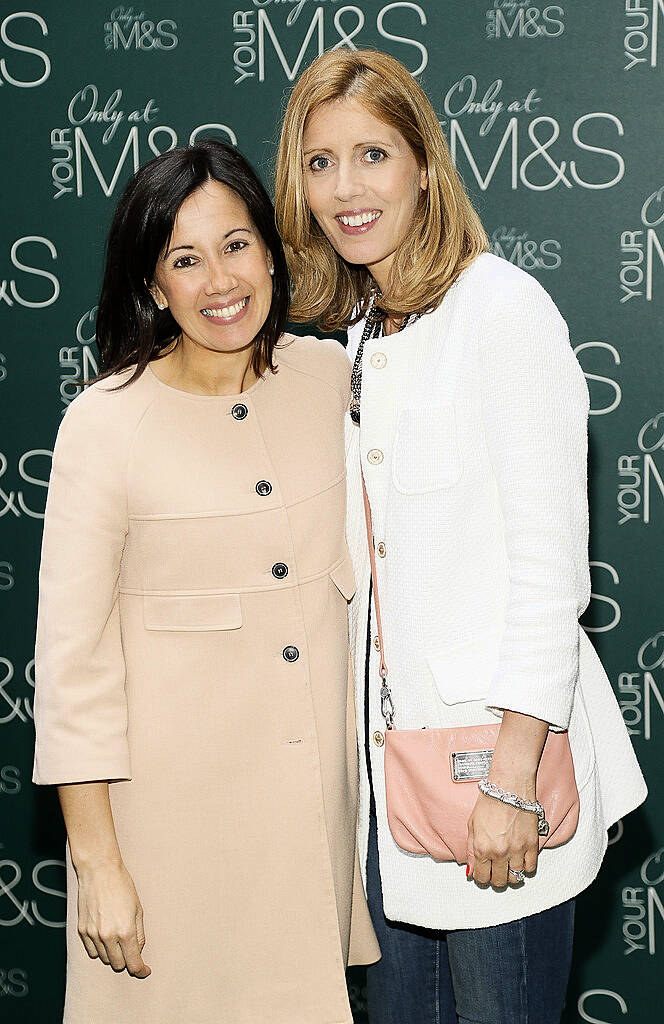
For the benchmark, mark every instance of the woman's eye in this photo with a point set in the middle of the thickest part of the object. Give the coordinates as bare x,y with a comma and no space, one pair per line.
236,246
319,163
183,261
375,156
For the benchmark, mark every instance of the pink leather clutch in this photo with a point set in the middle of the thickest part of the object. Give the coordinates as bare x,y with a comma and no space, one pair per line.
430,782
431,774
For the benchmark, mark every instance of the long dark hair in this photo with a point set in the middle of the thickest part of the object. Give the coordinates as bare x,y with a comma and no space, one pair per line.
131,330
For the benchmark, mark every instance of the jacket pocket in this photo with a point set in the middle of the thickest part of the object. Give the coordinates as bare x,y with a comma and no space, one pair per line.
198,612
426,453
343,578
464,672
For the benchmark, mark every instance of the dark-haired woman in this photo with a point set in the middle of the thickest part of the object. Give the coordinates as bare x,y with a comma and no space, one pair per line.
194,651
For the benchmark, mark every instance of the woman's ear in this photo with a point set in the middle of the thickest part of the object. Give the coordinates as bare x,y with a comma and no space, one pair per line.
424,179
158,296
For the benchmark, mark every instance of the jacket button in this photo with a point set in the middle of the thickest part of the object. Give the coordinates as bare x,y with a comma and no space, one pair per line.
279,571
378,360
290,653
375,456
378,738
381,549
239,411
263,487
377,642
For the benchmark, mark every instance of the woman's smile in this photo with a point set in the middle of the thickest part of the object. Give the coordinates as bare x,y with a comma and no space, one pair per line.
230,313
357,222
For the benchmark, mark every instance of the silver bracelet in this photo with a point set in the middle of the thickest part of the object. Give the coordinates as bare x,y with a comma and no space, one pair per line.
534,806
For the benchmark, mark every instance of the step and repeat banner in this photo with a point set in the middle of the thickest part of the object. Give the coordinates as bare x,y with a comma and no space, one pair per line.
555,119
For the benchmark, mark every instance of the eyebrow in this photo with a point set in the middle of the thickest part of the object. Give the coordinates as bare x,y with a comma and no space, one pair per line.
360,145
176,248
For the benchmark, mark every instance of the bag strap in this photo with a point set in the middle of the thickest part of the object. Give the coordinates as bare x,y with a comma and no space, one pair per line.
386,703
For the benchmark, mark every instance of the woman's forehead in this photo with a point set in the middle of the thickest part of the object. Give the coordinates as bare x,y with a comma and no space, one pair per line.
342,120
211,202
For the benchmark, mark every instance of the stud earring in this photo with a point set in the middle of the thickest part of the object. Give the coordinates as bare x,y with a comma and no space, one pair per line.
271,269
160,305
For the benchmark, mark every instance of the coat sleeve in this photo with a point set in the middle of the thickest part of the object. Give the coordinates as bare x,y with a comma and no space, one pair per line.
80,704
535,407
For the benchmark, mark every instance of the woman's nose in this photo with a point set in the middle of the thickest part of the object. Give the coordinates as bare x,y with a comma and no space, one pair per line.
348,185
220,279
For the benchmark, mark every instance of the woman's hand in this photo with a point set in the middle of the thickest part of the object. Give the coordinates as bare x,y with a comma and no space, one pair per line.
501,837
110,918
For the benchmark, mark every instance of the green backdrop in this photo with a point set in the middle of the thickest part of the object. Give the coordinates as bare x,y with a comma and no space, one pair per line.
554,114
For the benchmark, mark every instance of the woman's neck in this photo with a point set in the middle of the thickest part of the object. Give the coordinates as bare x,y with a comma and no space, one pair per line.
190,367
380,274
389,325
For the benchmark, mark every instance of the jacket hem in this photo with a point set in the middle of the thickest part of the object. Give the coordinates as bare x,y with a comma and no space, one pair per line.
493,917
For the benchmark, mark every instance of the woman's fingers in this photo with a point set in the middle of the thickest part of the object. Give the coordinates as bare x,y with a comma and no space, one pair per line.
101,949
114,952
530,860
470,851
140,928
482,870
94,946
499,873
90,947
131,953
117,952
514,871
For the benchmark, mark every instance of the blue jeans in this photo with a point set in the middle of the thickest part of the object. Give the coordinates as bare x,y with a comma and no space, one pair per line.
513,973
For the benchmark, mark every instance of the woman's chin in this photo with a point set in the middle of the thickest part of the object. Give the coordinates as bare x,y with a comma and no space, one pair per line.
361,251
360,254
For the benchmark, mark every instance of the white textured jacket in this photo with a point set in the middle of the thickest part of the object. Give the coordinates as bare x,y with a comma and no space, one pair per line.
473,442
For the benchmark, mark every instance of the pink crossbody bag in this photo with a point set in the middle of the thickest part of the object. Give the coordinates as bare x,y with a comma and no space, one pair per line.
431,774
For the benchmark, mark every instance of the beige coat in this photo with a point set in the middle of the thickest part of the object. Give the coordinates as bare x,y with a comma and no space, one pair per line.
192,645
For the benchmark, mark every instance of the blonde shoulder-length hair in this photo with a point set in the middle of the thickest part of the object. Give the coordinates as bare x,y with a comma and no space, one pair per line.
446,234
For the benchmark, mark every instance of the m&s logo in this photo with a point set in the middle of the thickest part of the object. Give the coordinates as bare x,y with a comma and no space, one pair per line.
254,30
128,29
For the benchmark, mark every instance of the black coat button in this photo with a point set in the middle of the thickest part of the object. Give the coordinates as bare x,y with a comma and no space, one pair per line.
239,411
263,487
280,571
290,653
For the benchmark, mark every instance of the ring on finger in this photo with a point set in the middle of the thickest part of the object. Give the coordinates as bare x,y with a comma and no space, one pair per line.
517,874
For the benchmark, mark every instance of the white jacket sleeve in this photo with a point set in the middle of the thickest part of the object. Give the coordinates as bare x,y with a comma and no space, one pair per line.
80,703
535,407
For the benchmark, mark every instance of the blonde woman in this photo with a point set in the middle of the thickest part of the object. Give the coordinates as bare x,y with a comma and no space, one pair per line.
468,418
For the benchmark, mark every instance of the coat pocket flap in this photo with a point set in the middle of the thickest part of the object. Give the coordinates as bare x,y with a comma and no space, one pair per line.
343,578
464,672
192,613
